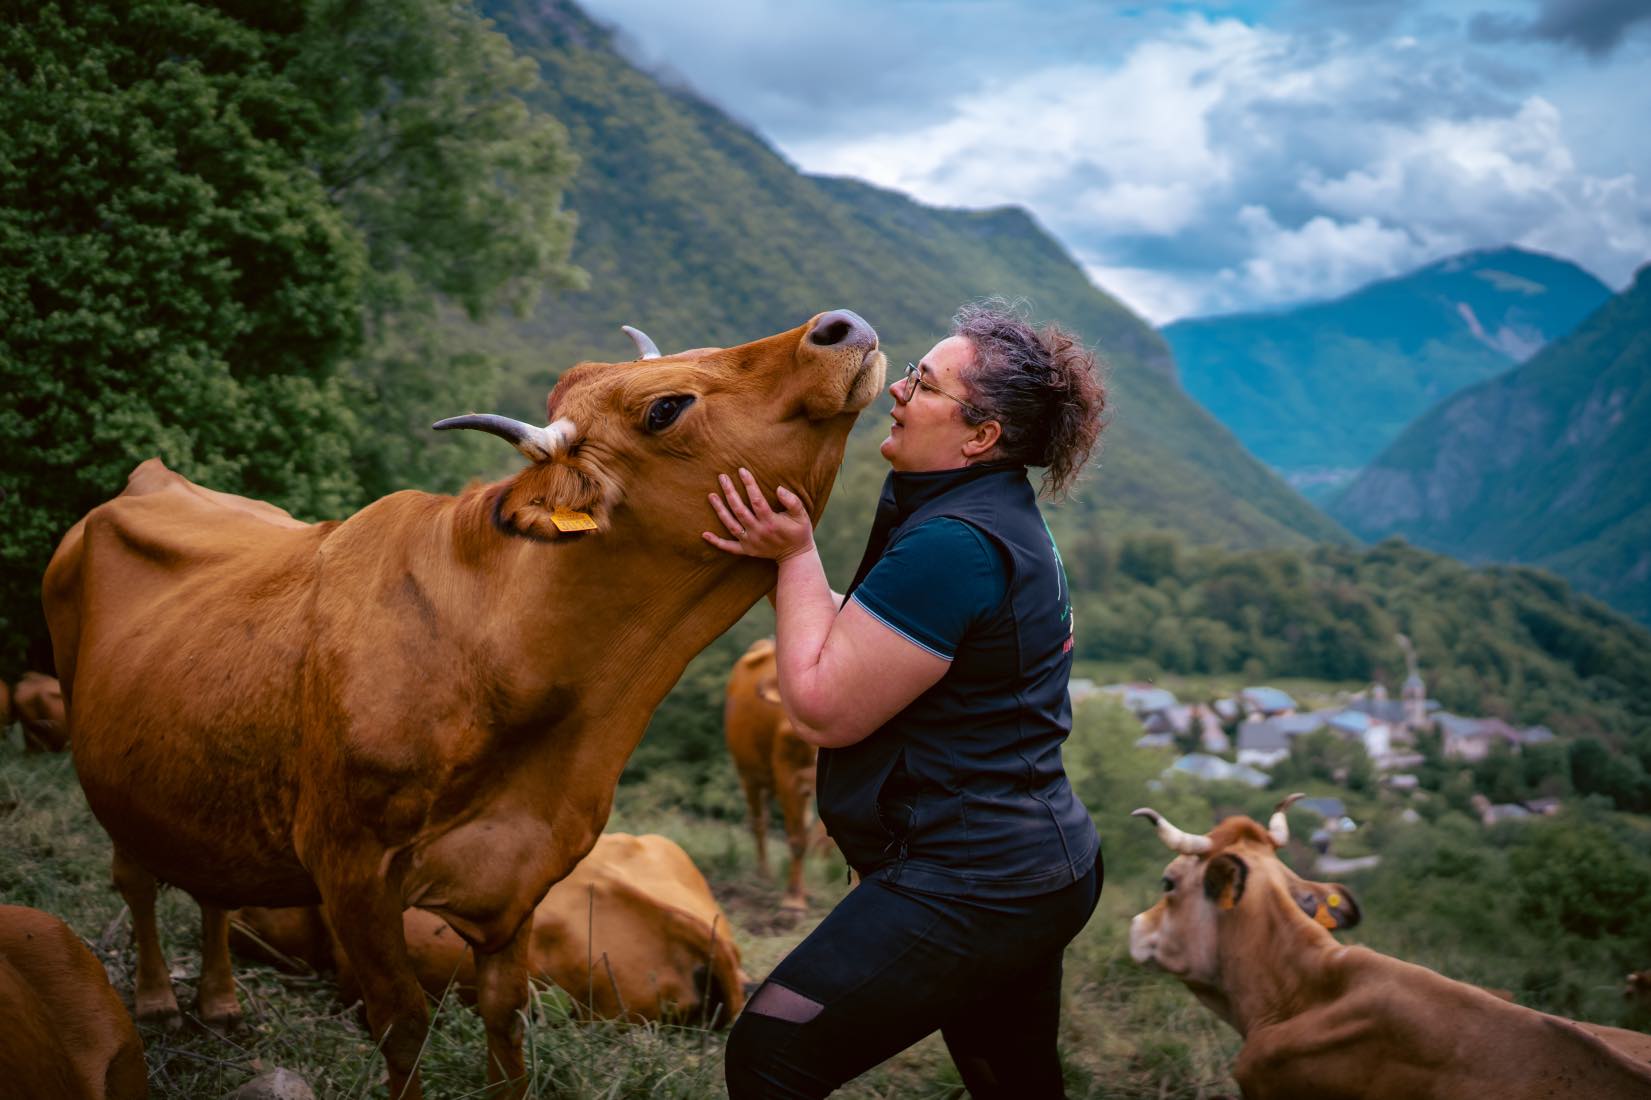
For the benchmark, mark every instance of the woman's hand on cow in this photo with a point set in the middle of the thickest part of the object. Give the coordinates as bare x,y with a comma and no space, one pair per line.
758,530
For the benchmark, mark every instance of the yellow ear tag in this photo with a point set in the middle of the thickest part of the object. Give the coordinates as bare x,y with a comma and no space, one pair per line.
566,519
1326,918
1333,900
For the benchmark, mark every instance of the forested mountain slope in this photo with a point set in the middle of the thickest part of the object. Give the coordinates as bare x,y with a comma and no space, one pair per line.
1548,464
1317,391
694,229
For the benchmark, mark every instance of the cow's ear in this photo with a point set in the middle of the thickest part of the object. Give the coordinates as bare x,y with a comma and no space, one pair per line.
550,500
1330,904
769,691
1224,880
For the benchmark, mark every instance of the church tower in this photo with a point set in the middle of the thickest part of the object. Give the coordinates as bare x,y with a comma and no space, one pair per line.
1415,691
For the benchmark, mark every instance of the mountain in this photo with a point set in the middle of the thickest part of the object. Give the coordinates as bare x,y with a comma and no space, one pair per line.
695,230
1317,391
1549,464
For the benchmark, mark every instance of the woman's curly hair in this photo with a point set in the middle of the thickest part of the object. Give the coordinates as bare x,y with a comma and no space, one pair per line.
1041,385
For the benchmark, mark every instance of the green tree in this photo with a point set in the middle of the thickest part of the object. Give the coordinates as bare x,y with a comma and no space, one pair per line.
217,223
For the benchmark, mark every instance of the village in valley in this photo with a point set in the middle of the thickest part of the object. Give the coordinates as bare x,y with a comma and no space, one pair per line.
1244,736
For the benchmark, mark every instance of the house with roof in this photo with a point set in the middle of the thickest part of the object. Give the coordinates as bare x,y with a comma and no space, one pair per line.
1471,739
1212,768
1141,699
1263,742
1374,734
1266,701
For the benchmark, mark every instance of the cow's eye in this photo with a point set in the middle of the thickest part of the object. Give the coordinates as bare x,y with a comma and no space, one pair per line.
1169,884
664,411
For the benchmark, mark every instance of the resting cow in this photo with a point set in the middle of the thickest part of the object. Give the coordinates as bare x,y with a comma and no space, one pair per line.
1324,1021
37,701
632,933
64,1035
429,703
773,762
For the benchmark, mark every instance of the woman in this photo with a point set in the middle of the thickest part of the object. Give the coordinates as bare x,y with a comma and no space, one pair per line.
937,692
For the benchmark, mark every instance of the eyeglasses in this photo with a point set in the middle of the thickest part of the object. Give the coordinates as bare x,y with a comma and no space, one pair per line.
914,378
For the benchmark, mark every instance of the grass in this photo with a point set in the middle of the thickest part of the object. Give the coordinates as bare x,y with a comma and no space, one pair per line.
1125,1033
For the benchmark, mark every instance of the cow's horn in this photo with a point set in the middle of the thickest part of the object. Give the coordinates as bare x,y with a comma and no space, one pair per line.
538,444
1278,827
645,348
1188,844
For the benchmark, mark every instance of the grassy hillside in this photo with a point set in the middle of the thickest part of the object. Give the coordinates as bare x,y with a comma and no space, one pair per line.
1548,464
1550,910
1319,390
696,231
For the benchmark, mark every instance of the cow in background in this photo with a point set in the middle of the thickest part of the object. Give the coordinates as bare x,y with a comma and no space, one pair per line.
1320,1020
428,704
1637,987
632,933
773,762
37,703
64,1034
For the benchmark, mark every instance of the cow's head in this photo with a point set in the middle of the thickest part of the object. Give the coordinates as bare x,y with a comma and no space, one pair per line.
1229,899
639,444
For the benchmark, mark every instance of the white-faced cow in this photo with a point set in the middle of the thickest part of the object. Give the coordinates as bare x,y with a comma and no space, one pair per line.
429,703
772,761
1325,1021
632,933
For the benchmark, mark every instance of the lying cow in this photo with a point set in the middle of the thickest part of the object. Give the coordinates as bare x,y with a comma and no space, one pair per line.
64,1035
632,933
1323,1021
37,703
429,703
773,762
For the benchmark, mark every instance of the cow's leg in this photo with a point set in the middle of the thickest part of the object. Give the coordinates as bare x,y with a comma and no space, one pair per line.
756,806
154,998
376,947
501,999
794,805
215,998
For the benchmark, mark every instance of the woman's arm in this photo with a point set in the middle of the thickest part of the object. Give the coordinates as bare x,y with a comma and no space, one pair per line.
842,673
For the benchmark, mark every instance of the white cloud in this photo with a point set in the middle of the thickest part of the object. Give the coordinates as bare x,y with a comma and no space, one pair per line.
1158,296
1195,163
1290,264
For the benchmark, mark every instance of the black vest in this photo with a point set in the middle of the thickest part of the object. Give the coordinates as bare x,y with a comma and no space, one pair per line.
963,792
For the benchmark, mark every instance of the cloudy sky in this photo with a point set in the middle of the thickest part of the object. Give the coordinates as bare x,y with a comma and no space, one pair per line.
1208,157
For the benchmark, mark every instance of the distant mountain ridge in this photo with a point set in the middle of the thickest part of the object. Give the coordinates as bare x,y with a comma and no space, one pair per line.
1548,464
693,229
1318,390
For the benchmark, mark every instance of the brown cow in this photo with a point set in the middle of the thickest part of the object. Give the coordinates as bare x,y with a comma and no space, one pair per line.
628,934
1637,987
1323,1021
773,762
429,703
37,701
64,1035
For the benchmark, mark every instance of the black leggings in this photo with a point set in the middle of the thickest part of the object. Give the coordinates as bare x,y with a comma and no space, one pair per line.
889,966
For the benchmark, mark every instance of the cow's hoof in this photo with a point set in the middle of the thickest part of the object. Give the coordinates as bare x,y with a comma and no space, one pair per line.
219,1019
159,1012
793,905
